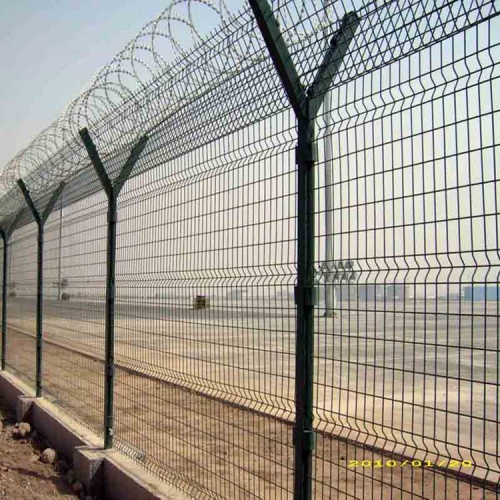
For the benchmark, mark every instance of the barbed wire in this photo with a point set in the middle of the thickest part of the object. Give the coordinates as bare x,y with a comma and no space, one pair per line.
161,70
131,71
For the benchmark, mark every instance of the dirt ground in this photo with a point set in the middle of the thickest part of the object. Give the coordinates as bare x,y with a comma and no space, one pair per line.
212,449
22,475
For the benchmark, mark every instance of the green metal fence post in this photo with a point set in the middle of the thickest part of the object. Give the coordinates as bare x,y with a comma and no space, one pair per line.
306,105
5,234
112,190
4,295
305,301
40,220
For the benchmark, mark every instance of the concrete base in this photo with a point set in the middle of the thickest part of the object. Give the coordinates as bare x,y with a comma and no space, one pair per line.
56,429
11,389
104,473
88,464
24,409
124,480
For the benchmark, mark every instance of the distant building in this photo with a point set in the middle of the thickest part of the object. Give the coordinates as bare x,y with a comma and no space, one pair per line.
347,292
482,292
236,294
372,291
397,292
392,291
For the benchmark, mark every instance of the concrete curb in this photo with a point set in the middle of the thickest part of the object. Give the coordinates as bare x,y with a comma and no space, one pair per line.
107,474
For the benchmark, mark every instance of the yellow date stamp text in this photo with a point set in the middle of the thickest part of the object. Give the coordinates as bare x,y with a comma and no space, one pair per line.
410,463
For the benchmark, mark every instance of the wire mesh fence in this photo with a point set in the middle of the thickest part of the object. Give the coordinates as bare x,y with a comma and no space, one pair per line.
409,364
304,242
21,304
3,309
73,312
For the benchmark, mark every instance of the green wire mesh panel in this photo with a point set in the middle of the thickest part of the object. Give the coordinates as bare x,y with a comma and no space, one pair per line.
21,303
407,256
407,217
205,315
75,271
1,289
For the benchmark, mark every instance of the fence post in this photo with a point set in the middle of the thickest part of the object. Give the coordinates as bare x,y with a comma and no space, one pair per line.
40,220
306,104
4,295
5,234
112,190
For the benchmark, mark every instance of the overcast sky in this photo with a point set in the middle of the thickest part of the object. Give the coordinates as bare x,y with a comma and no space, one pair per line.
50,50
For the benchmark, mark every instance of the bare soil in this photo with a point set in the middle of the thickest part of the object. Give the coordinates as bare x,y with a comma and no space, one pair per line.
22,475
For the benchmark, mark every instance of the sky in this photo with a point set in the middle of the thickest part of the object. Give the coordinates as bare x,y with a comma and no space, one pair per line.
50,50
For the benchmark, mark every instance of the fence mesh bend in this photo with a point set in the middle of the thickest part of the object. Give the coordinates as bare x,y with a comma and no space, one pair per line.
207,298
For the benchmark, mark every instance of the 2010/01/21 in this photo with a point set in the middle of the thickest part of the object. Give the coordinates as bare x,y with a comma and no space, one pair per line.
411,463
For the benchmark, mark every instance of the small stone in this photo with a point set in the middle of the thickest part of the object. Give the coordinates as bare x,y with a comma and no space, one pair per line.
21,430
24,426
77,487
48,456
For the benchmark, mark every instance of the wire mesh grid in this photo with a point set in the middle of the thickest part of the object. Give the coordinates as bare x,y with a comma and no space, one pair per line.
2,256
204,280
21,303
406,364
73,325
407,220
